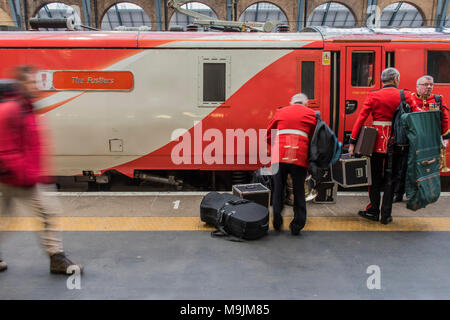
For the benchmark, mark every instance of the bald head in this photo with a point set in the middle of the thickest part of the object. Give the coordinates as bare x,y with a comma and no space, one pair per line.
300,98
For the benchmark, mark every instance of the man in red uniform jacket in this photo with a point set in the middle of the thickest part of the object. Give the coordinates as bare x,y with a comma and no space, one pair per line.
422,100
289,132
382,105
22,165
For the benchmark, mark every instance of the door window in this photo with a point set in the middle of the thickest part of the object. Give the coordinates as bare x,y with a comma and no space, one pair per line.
363,69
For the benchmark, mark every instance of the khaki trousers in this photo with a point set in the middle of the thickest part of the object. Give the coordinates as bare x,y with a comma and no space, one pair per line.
43,208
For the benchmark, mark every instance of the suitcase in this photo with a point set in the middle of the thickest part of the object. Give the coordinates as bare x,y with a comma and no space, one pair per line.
366,141
352,172
234,216
255,192
326,193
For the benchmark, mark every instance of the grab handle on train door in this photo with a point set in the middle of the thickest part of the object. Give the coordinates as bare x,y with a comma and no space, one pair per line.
350,106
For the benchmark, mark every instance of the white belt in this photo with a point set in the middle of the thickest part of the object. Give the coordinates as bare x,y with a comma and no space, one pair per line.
293,131
382,123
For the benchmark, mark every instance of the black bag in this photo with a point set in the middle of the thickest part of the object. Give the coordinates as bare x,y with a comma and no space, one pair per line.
324,148
400,138
235,218
211,205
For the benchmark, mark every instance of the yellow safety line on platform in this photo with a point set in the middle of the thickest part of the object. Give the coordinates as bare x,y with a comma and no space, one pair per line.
194,224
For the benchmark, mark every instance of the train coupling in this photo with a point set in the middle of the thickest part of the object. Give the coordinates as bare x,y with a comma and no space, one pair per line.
169,181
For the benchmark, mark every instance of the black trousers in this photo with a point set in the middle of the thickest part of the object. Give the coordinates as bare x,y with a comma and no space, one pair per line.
399,174
298,175
381,179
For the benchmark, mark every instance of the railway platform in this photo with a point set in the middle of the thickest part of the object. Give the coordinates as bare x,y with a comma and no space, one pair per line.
152,245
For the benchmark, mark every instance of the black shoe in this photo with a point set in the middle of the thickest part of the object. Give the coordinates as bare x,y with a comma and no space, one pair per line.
295,229
277,223
386,220
398,198
368,215
3,266
59,264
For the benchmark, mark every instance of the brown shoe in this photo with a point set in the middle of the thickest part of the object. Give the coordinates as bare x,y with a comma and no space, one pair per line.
59,264
3,266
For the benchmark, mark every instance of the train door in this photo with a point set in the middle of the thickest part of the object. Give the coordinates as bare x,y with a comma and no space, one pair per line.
362,74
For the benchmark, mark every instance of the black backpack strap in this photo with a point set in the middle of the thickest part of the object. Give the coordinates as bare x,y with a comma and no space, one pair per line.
317,115
402,96
236,202
437,98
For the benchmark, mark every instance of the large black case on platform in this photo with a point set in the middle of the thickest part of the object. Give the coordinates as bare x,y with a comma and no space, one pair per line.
211,204
326,192
255,192
352,172
235,216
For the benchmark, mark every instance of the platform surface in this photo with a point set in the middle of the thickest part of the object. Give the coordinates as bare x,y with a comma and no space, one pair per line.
154,246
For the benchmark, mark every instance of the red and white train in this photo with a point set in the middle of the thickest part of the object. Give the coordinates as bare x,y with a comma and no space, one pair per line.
117,100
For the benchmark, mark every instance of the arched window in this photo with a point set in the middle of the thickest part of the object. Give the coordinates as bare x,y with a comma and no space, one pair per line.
125,14
182,20
401,14
331,14
58,10
262,12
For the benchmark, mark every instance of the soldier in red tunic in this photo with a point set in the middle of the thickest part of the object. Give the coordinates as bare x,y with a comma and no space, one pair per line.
422,100
382,104
289,132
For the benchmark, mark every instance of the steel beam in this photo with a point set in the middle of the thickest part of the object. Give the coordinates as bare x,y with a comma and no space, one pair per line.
300,14
325,14
118,14
25,14
15,12
87,12
371,11
444,13
96,13
229,10
403,18
158,15
49,13
438,14
394,14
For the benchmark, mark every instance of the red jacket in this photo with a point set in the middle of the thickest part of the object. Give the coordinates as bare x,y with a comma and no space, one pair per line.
292,146
425,104
382,105
20,144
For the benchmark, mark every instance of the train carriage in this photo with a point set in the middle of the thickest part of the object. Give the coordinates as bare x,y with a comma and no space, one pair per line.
142,101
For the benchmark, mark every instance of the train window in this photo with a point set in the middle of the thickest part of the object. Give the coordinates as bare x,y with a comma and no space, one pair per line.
214,81
363,69
308,78
439,66
390,59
